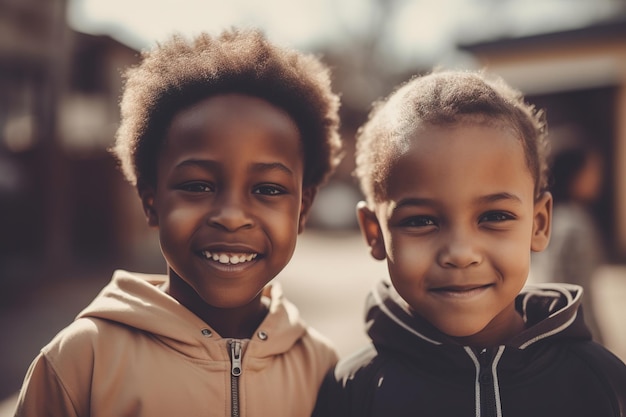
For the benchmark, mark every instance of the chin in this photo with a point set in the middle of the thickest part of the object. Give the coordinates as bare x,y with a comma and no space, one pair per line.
227,301
460,330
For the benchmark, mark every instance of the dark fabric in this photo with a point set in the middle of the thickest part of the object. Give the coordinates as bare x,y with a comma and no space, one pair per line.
411,369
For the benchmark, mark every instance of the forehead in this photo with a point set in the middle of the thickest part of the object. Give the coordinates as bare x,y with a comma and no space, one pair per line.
236,123
230,115
459,160
230,111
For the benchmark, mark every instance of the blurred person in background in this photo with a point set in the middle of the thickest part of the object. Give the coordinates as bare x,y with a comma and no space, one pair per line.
576,249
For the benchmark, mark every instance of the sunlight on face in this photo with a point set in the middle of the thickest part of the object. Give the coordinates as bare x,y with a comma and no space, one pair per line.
228,199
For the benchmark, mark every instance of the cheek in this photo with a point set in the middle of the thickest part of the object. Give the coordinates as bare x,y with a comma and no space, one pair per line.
285,213
283,225
179,223
512,256
409,258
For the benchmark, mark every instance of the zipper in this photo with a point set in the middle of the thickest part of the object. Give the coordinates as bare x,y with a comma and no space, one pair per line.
486,386
235,372
485,379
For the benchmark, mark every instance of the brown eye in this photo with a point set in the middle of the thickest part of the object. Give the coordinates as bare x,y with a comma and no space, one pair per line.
496,216
268,189
418,221
197,187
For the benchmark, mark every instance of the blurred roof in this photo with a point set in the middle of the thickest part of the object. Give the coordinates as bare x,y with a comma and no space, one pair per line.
611,28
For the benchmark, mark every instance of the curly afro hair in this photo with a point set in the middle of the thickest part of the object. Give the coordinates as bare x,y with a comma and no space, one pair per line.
446,98
180,72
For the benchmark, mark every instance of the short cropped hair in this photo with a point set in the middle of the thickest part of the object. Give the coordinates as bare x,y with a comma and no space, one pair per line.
445,98
180,72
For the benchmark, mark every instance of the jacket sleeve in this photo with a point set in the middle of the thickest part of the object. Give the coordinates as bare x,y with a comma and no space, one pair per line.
43,394
58,382
611,372
347,390
331,399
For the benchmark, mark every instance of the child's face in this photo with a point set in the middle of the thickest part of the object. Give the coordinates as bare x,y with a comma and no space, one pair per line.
229,201
457,228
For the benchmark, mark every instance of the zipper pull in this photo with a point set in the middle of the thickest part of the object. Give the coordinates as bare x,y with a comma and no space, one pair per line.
235,356
484,357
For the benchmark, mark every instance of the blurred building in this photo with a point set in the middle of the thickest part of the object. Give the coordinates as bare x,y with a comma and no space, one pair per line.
60,196
579,77
63,201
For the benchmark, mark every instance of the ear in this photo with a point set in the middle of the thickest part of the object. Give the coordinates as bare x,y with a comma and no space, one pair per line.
542,223
370,229
308,195
147,200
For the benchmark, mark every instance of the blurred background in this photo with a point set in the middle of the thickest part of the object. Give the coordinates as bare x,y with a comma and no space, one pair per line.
68,219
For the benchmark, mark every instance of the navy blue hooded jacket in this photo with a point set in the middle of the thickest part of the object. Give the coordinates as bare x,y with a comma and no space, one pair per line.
412,369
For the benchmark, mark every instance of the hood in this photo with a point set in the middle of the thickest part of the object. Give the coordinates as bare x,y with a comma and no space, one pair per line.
135,300
551,311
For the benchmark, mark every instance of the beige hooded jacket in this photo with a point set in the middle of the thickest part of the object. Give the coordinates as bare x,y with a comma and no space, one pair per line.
135,351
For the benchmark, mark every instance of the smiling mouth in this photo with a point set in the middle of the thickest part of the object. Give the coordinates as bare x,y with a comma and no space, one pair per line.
461,291
229,258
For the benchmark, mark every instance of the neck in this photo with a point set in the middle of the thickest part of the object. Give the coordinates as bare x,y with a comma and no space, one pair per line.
236,323
500,330
229,322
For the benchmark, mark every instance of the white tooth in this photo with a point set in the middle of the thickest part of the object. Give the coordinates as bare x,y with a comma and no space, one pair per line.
234,259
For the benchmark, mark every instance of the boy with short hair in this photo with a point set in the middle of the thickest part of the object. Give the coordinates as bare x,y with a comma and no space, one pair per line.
453,168
227,140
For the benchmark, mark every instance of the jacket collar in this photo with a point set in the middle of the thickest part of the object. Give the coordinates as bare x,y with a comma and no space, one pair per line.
135,300
551,311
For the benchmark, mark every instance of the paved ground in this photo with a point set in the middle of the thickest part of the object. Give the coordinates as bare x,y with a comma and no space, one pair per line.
328,279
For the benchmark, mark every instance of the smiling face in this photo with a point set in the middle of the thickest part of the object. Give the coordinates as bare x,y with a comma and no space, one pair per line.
457,228
228,201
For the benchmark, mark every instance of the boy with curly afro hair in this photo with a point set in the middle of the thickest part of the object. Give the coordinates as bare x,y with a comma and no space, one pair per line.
227,139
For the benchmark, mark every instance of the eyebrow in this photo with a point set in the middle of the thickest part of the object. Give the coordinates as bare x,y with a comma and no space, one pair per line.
414,201
499,197
257,166
270,166
202,163
490,198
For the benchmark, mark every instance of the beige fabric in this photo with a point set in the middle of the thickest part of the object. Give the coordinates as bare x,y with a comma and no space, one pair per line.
135,351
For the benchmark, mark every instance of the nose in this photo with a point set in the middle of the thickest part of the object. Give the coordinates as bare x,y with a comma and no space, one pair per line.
230,213
459,250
